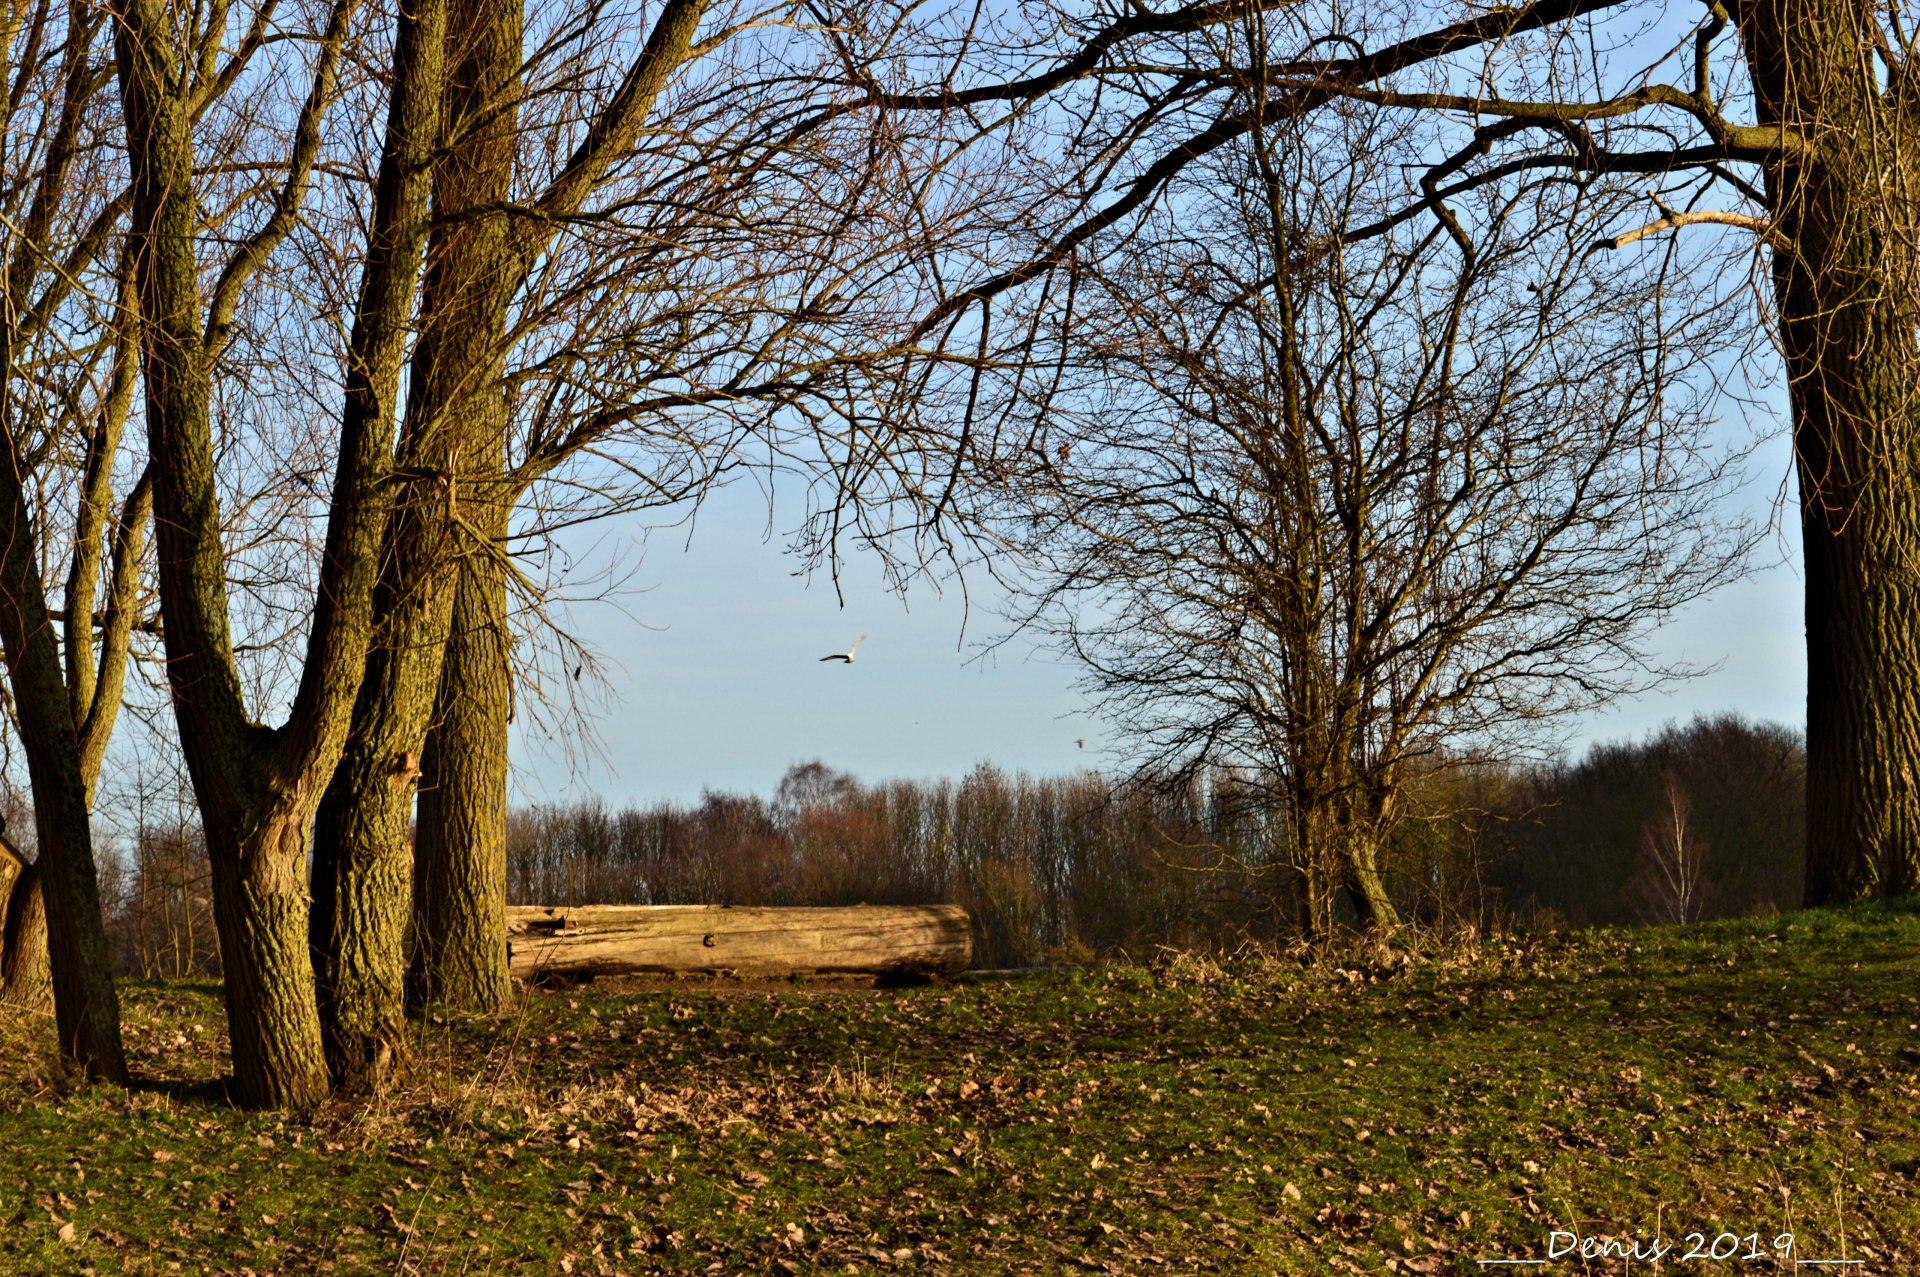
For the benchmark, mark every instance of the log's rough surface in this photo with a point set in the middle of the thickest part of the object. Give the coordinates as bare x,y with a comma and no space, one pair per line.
584,940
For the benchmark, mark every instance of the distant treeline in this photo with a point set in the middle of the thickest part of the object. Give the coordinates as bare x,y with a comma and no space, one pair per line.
1055,869
1699,821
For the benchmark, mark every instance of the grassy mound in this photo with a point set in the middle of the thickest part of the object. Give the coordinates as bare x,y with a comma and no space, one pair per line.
1739,1081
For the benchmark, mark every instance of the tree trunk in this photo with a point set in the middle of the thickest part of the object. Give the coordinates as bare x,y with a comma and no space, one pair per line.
460,854
1312,834
455,431
260,911
362,871
1365,883
460,862
86,1005
24,977
1845,291
460,851
1854,435
361,877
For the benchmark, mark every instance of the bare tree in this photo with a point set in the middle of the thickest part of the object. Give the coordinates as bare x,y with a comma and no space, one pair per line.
68,366
690,282
1673,858
1781,129
1331,510
258,787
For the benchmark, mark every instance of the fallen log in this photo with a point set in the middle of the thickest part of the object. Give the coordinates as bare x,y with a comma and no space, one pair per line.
578,941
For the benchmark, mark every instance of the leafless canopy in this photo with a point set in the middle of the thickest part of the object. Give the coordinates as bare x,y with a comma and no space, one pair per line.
1326,506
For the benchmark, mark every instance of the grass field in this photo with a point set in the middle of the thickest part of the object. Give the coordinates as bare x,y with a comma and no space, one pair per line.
1740,1081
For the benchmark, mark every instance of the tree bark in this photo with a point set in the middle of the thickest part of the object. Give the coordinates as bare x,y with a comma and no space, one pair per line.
1844,286
460,863
455,433
25,980
360,885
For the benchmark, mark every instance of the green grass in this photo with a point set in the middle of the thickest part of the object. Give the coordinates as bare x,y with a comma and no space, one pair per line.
1244,1116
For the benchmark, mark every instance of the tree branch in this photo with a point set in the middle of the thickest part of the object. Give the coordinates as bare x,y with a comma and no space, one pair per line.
286,208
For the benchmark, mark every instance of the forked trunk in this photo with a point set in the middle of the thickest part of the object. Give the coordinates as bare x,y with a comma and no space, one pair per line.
1338,849
258,788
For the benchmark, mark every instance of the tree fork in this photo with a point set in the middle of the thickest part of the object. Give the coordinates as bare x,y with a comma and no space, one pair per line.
258,788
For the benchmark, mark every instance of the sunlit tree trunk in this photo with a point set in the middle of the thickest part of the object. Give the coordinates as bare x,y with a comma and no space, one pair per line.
24,977
453,445
1366,884
1847,209
460,849
258,788
460,866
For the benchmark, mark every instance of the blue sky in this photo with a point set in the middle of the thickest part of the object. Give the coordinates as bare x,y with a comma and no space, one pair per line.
713,677
711,657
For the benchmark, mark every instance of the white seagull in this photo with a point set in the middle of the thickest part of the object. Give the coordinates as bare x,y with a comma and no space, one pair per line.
847,656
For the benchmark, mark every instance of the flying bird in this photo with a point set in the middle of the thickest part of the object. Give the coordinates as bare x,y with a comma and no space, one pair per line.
847,655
